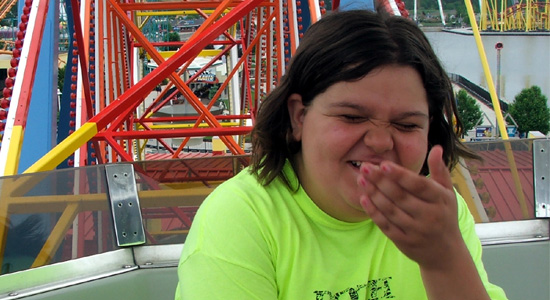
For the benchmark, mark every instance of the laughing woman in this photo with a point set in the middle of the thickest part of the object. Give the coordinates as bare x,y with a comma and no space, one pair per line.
337,203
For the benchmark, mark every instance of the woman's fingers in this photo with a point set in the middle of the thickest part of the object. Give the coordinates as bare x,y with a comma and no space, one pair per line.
395,182
416,212
438,170
388,217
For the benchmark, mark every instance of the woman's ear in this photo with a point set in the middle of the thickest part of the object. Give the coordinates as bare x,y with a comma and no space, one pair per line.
297,111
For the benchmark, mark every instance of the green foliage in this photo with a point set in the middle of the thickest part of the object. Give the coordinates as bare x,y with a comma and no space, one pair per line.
10,19
193,17
432,5
428,11
60,78
530,110
462,13
213,90
171,37
469,111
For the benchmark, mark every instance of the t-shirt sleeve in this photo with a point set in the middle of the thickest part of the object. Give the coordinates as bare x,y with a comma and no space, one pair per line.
226,255
467,227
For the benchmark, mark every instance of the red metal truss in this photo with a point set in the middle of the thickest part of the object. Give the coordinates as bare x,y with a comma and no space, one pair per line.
18,91
117,122
115,102
115,111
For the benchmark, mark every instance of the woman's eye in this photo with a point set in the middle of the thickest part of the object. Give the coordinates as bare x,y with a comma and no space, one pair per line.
406,126
353,118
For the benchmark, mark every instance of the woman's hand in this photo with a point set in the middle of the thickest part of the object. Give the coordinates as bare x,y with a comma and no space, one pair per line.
418,213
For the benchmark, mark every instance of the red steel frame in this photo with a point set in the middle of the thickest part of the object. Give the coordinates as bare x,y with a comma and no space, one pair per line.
107,64
118,96
117,123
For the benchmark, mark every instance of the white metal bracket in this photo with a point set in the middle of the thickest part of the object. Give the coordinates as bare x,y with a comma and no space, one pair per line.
125,208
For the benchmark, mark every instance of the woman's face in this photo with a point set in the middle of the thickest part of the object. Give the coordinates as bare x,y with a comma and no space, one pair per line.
383,116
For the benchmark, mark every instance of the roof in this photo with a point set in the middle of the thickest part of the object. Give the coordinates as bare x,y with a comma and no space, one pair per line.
496,186
493,177
196,167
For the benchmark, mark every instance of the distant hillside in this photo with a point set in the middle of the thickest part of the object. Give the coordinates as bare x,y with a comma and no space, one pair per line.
428,11
455,12
431,5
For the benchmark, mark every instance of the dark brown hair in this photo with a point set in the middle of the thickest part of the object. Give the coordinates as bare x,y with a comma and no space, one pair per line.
345,46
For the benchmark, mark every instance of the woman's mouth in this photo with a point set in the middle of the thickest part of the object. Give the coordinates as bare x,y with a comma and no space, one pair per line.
356,164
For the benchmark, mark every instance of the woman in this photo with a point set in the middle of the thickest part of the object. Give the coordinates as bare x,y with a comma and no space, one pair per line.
337,203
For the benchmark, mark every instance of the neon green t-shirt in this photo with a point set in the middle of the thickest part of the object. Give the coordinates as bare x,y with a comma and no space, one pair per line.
248,241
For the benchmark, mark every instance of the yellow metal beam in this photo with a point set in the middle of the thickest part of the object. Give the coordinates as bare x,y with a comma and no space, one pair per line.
15,201
53,158
4,226
169,232
464,185
487,71
203,53
179,126
57,235
191,196
143,22
20,185
175,13
528,15
496,107
14,150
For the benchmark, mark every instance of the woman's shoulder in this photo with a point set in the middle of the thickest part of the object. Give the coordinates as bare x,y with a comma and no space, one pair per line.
245,191
242,203
247,183
243,183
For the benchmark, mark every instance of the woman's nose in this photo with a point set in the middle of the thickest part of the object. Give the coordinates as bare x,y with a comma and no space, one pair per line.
379,138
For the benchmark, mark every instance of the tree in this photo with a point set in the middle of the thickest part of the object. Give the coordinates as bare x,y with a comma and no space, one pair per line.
462,14
530,110
469,111
10,19
60,78
171,37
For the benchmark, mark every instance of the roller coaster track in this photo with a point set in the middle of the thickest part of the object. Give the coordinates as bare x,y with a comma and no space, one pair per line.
6,47
525,15
476,91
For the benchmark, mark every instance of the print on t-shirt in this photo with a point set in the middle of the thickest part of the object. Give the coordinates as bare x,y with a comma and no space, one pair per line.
376,289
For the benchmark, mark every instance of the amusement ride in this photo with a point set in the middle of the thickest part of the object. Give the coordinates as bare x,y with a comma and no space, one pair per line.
135,104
